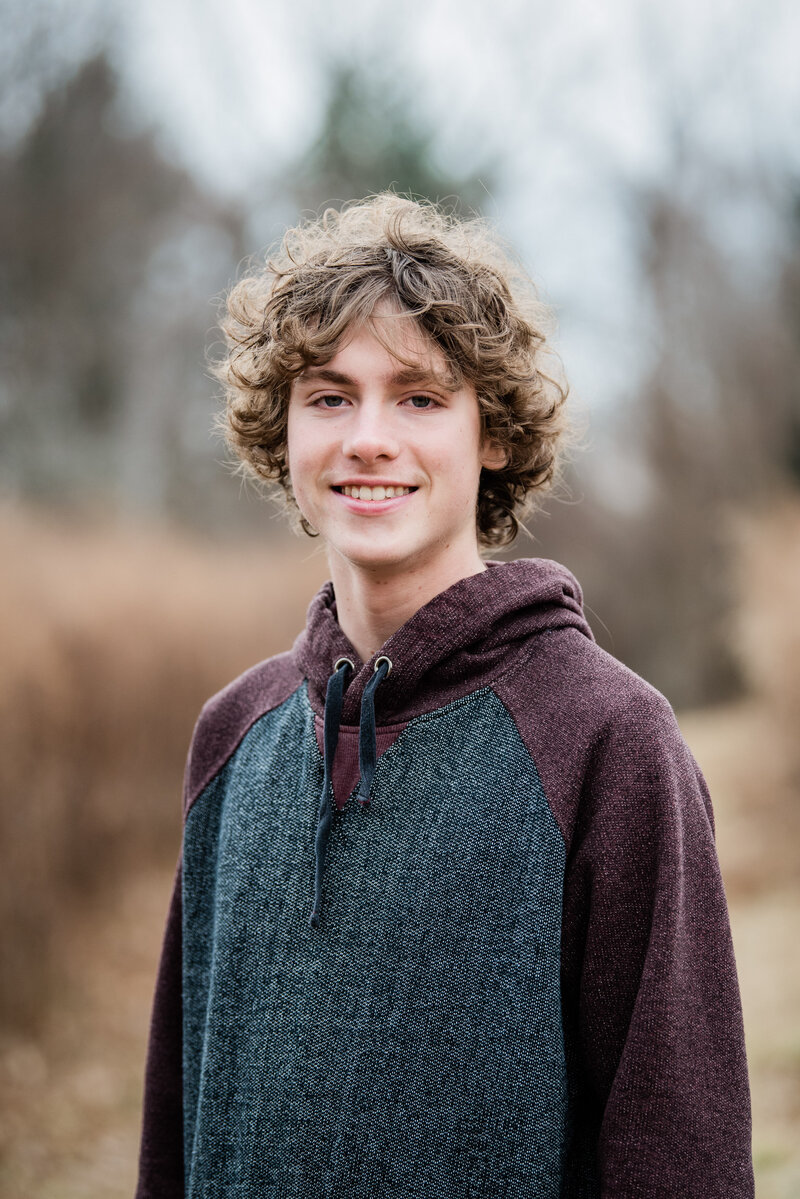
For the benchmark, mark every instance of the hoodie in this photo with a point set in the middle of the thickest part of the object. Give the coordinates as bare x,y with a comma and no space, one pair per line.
448,922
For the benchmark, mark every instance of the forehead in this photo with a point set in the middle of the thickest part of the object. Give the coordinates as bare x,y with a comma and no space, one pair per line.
392,346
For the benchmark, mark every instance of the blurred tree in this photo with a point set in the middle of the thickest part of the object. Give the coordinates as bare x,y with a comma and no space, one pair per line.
369,141
110,255
88,211
711,426
716,412
789,294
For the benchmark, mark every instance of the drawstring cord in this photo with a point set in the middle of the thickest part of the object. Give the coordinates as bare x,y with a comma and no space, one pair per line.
334,696
367,759
367,735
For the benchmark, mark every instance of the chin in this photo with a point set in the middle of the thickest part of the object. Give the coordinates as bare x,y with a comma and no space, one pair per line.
376,557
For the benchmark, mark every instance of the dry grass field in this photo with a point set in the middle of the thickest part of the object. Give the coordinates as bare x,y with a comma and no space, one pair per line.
110,641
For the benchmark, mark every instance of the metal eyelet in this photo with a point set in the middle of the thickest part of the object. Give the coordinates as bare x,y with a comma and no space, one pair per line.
341,662
383,658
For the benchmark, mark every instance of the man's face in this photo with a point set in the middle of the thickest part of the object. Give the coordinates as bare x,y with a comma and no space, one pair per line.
385,458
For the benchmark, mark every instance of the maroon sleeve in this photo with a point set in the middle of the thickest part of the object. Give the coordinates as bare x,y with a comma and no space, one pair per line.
651,997
161,1152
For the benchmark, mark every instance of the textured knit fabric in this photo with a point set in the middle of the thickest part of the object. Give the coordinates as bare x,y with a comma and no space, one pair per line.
522,983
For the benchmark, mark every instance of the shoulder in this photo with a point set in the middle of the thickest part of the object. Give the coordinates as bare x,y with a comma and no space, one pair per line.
227,716
587,719
568,680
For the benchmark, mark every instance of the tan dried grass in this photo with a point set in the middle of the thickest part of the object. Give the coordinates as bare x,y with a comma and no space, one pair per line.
767,630
750,753
111,638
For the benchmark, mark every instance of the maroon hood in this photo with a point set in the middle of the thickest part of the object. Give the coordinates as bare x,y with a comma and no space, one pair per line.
464,638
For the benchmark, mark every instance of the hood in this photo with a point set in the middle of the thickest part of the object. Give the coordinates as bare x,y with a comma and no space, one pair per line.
459,641
463,639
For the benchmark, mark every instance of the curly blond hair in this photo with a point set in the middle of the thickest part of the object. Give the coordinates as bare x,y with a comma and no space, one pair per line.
462,287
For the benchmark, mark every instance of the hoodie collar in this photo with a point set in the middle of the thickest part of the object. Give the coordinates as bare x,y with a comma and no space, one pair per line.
460,640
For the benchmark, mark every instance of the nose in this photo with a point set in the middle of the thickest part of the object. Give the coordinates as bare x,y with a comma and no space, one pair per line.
369,435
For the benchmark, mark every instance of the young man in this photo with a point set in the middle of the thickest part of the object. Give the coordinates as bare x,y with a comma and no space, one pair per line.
449,919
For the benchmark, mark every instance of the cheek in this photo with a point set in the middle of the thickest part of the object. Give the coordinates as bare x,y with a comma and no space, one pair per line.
292,440
457,458
299,462
302,446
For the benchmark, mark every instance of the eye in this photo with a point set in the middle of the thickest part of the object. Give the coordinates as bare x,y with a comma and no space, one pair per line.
330,401
423,402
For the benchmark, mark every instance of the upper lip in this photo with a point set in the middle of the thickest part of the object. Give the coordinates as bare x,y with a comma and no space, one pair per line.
371,483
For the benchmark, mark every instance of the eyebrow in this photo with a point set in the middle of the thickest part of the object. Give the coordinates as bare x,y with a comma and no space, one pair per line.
401,378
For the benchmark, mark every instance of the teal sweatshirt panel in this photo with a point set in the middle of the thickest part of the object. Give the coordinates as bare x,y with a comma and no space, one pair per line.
412,1045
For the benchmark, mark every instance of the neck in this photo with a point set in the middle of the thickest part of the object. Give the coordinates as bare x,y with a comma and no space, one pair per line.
373,603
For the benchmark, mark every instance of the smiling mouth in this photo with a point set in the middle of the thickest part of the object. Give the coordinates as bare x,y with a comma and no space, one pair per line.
374,493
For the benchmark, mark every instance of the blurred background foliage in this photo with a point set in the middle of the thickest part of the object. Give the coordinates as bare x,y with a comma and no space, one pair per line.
113,254
139,574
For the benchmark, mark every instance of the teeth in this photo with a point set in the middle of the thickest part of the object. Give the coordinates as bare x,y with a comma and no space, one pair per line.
375,493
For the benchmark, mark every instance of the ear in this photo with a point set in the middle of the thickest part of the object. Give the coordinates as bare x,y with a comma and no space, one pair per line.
493,456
